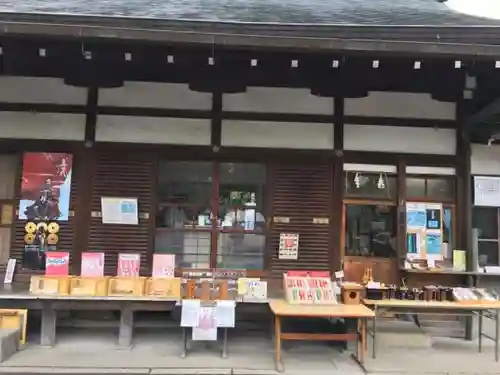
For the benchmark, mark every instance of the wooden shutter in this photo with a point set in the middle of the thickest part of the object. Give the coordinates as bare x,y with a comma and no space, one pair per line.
121,174
302,193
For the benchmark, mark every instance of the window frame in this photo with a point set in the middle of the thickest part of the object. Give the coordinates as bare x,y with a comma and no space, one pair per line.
214,229
426,198
369,198
490,240
359,202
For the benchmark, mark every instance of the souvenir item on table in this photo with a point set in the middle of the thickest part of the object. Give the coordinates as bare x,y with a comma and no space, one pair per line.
465,295
351,293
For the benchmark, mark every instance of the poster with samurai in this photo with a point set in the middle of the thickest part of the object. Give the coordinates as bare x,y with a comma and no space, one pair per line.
45,186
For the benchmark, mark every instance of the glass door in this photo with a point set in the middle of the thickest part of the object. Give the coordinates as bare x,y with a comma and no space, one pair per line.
241,216
184,219
212,215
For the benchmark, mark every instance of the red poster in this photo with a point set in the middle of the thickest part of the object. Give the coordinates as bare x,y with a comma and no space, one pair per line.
128,264
163,265
45,186
92,264
57,263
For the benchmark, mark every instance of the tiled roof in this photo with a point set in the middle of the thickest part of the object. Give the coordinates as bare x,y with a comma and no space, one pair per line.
356,12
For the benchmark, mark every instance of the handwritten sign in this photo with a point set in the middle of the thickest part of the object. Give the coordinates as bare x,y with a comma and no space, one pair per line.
309,290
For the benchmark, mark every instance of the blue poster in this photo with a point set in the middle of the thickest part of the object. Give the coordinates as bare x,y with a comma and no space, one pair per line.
433,243
416,217
433,218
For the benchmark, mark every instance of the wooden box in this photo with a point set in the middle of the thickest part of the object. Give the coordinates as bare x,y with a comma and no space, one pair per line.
17,319
89,286
50,285
351,293
126,286
164,287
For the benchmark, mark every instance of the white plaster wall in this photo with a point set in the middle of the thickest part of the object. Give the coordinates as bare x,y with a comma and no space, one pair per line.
377,168
400,139
159,130
399,104
277,135
155,95
448,171
277,100
40,90
485,160
28,125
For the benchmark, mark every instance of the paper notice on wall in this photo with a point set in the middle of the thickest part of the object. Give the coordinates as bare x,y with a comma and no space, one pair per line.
119,211
92,264
487,191
225,313
128,265
190,312
163,265
288,246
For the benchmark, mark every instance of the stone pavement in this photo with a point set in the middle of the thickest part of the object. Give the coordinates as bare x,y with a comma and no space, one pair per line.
89,352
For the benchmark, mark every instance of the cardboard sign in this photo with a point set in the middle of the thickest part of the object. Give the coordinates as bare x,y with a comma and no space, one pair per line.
163,265
92,264
57,263
128,265
309,290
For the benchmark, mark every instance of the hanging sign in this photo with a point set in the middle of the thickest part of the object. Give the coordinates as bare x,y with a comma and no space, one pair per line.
128,265
289,246
92,264
57,263
119,211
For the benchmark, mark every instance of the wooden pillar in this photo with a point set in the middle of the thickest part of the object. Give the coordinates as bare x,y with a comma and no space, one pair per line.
401,218
85,161
338,186
464,200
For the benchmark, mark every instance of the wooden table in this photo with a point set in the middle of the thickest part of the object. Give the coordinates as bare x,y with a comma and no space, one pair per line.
438,308
281,308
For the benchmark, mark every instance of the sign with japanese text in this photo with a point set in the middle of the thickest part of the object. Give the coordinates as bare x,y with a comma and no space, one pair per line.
288,246
92,264
309,290
128,265
57,263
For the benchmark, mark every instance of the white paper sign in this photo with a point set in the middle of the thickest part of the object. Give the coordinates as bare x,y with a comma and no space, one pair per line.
190,312
119,211
225,314
289,246
487,191
9,272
